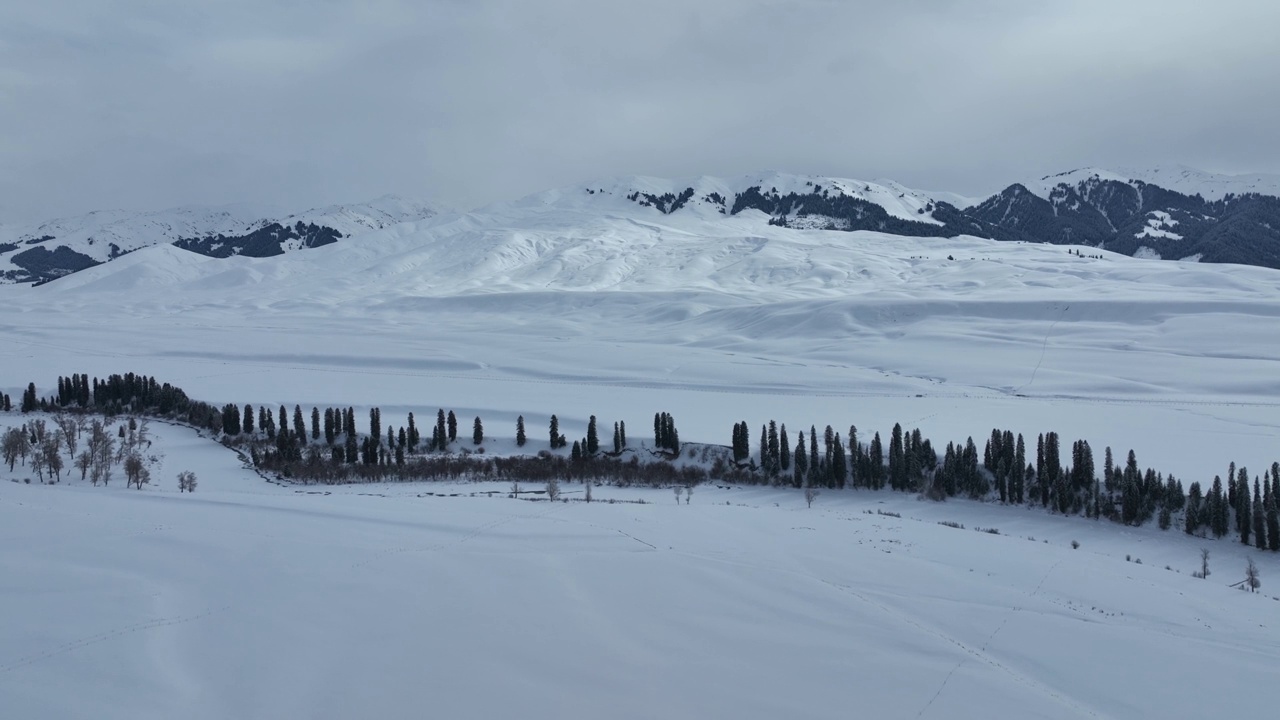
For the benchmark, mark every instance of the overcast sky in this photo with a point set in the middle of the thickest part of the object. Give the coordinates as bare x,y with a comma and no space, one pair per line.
149,104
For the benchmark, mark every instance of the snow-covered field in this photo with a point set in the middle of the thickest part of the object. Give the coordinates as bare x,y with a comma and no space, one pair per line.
251,600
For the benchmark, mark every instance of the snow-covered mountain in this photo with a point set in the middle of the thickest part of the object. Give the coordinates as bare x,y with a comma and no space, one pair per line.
37,253
1196,216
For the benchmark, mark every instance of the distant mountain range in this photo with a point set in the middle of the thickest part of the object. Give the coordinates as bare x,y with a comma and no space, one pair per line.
1168,213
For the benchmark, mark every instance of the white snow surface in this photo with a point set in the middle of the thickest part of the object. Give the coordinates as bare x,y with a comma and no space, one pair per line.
252,600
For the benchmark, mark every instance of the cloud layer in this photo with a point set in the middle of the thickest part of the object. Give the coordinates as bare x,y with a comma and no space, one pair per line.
143,104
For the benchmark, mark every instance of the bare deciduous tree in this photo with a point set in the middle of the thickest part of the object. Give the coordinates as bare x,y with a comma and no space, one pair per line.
678,490
553,488
810,494
1251,576
186,481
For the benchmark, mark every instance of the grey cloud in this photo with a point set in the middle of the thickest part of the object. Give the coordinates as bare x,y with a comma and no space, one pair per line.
145,104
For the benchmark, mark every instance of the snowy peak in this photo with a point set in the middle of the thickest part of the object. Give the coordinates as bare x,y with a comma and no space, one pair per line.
800,201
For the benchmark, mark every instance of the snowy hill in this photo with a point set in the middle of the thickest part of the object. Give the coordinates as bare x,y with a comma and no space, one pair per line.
60,247
1179,178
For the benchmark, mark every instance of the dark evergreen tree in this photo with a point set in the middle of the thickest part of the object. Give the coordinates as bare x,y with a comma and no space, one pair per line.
839,464
477,432
350,446
1273,517
247,423
413,434
440,438
801,463
875,462
1220,518
593,437
521,439
555,432
1259,518
784,451
576,453
622,433
1019,475
29,401
267,421
453,427
617,439
315,423
329,431
774,462
1244,509
230,419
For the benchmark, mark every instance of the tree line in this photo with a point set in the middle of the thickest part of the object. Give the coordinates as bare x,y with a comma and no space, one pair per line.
329,446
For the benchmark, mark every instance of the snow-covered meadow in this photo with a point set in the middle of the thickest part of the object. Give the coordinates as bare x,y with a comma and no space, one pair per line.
249,599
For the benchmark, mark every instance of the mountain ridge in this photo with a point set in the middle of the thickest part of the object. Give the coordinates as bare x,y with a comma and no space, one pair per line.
1124,211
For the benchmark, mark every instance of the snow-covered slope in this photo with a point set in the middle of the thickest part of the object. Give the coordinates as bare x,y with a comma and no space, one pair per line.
1179,178
249,600
102,236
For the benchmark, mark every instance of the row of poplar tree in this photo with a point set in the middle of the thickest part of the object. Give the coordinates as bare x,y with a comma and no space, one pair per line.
1002,471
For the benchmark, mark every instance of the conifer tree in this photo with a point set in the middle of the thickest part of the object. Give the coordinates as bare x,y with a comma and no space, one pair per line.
477,432
555,432
1259,518
593,437
1219,517
1273,517
622,433
815,470
413,434
329,433
1244,509
784,451
453,427
617,439
267,421
230,419
520,436
315,423
801,462
440,438
875,462
839,464
576,453
247,423
775,452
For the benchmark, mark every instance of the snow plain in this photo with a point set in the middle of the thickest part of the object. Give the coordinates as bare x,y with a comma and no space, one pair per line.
253,600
